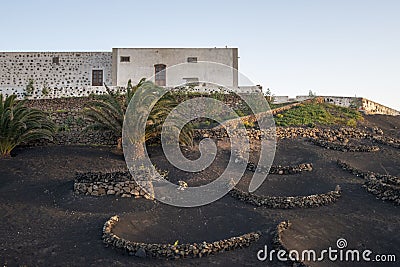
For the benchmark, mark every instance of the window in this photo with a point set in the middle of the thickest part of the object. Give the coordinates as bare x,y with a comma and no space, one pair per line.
191,81
125,59
56,60
192,59
97,77
160,74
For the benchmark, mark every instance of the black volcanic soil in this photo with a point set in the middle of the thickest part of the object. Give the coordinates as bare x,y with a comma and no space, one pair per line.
42,223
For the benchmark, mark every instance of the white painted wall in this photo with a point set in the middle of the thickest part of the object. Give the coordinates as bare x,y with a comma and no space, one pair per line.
73,75
142,61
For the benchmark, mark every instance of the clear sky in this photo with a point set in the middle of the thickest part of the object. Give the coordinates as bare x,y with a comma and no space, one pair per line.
338,47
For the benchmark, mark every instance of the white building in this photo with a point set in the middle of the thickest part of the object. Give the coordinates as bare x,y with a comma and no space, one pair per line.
65,74
135,63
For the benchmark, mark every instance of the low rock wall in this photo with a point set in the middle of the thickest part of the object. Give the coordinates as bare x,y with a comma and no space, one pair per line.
278,244
384,187
170,251
287,202
281,170
118,183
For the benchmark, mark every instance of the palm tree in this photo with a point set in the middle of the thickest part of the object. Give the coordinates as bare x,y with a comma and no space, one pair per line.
107,113
20,124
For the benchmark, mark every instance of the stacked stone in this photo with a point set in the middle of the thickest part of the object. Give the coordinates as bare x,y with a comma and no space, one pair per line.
341,135
343,146
287,202
385,140
382,190
278,243
275,169
282,170
383,186
286,133
173,251
118,183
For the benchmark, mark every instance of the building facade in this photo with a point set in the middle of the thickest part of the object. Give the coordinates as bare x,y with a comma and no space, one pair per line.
66,74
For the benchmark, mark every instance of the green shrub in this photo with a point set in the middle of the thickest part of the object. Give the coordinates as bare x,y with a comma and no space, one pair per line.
20,124
314,113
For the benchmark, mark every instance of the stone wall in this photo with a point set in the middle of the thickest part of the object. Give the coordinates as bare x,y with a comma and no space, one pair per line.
63,74
383,186
118,183
274,202
278,243
371,107
331,138
171,251
363,104
70,122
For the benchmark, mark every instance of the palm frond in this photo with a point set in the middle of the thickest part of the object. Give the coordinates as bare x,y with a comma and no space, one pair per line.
107,112
20,124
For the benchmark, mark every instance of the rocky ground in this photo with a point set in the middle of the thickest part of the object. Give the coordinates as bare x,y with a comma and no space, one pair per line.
43,223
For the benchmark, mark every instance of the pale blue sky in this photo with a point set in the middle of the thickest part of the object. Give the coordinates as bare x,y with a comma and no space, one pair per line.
333,47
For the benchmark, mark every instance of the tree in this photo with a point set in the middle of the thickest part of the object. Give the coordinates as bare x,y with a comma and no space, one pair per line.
20,124
107,113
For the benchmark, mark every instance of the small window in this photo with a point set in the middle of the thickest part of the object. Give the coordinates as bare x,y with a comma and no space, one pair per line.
97,77
125,59
160,74
56,60
192,59
191,81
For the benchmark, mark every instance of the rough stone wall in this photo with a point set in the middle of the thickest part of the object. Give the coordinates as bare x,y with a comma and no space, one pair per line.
363,104
371,107
173,251
70,122
64,74
343,101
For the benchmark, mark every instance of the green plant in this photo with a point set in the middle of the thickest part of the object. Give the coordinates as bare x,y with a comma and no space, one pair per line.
314,113
45,89
248,124
80,121
30,88
63,128
20,124
240,113
70,120
107,113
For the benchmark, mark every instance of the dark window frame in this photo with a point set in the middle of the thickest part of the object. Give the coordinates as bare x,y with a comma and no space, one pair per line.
56,60
97,77
125,59
160,74
192,59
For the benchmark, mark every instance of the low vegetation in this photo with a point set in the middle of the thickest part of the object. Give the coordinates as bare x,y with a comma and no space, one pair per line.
20,124
107,113
312,114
